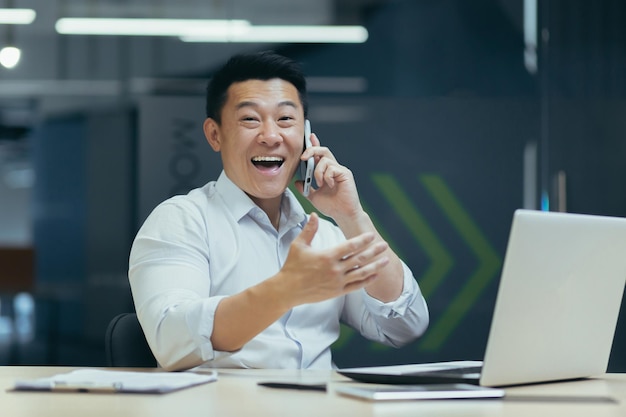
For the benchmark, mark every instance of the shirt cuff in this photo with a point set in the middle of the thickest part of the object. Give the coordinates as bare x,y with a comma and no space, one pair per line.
398,307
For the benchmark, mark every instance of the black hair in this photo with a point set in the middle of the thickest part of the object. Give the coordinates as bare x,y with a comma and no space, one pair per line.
264,65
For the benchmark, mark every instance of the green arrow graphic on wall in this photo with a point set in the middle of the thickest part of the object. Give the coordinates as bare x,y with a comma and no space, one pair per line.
488,267
441,260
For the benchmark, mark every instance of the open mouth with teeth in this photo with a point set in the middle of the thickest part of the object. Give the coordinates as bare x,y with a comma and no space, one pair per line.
268,162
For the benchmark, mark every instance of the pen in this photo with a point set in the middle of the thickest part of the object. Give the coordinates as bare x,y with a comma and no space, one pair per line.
62,386
303,387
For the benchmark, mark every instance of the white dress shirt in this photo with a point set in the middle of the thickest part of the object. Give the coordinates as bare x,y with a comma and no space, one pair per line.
194,250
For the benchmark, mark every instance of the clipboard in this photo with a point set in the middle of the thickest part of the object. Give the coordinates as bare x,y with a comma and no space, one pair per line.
108,381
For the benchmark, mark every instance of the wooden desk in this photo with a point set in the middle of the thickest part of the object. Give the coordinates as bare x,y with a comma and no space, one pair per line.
237,394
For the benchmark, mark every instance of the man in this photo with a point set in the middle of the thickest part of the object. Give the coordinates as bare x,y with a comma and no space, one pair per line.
235,274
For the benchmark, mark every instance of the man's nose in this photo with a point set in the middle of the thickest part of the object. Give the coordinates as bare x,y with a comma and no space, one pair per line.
270,134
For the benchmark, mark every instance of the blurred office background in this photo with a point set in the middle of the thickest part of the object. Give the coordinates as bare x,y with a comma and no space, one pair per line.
451,113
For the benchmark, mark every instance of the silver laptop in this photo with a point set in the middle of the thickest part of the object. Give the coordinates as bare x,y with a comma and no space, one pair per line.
556,310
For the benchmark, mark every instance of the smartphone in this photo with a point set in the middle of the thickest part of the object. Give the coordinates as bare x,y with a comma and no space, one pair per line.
307,167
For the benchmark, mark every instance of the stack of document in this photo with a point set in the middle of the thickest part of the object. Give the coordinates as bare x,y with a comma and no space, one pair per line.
98,380
419,392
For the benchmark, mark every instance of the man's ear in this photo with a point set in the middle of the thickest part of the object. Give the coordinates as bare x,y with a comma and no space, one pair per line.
212,133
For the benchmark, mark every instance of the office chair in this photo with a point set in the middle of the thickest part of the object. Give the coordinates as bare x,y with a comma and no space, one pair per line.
126,345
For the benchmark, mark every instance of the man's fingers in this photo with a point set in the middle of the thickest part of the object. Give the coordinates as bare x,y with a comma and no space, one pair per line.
355,245
364,263
364,256
361,276
361,272
310,228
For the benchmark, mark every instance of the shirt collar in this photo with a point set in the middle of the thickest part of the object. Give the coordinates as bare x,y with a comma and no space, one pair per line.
241,205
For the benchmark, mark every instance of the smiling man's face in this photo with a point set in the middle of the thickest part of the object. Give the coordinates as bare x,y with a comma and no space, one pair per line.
260,136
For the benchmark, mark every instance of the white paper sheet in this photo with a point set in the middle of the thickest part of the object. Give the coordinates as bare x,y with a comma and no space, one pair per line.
99,380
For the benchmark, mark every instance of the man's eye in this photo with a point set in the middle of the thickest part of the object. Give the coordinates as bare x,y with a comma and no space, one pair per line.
286,121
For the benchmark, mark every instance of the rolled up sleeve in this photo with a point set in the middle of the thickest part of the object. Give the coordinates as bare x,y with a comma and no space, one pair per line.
170,283
394,323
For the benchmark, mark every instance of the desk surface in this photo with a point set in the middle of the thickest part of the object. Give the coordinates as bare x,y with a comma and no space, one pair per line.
236,393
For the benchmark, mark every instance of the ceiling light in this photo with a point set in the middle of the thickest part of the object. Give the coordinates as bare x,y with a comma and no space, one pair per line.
146,27
10,56
17,16
286,34
211,30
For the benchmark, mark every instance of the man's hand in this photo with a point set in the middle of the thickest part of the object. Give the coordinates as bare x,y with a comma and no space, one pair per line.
311,275
336,195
